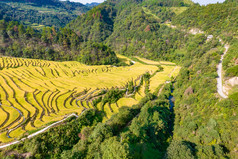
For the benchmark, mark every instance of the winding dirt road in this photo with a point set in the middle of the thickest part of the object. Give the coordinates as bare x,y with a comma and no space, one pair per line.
219,72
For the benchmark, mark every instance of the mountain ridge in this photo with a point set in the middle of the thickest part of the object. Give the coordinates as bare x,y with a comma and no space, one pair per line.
93,4
92,25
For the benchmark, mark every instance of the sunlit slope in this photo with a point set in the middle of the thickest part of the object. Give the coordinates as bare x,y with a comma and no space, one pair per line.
34,93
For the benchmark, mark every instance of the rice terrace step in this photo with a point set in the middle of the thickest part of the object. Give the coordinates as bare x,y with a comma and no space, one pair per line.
34,92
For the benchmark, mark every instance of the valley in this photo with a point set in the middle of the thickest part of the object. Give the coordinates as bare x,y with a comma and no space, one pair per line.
124,79
35,93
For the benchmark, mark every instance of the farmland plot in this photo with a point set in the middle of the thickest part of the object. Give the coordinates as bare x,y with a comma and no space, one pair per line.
34,93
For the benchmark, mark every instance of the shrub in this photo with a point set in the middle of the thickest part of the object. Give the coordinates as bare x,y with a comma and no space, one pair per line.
232,71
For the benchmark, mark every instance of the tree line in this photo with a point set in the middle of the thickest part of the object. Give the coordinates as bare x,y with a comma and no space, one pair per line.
50,44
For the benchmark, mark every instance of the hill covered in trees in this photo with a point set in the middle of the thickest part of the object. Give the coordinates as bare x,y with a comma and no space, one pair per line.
62,45
143,24
200,125
40,13
221,21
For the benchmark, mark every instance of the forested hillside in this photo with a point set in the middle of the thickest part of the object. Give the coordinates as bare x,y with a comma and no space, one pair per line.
40,13
143,23
183,118
200,117
62,45
217,19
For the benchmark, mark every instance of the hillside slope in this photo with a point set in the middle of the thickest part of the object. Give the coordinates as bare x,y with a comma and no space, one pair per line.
41,13
64,45
200,116
183,118
123,24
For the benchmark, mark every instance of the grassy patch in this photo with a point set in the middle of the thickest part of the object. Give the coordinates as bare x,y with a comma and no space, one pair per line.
178,10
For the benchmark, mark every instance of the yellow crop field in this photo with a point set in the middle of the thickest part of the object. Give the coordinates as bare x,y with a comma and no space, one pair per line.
150,62
178,10
164,76
35,92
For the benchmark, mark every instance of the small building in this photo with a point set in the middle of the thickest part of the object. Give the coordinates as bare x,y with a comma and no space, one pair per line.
209,37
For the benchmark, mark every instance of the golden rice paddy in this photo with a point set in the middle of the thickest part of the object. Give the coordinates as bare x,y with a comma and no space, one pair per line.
35,92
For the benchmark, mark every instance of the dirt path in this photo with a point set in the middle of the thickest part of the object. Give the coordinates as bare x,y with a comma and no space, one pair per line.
219,72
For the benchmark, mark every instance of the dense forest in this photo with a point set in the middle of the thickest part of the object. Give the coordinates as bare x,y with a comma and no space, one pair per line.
200,125
62,45
217,19
40,13
144,30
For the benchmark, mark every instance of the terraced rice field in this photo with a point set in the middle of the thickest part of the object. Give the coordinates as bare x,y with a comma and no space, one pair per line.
34,92
161,77
150,62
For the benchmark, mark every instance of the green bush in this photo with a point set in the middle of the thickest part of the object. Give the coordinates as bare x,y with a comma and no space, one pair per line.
232,71
234,98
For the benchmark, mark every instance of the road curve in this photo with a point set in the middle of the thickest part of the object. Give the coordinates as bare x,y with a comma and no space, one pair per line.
39,132
219,72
